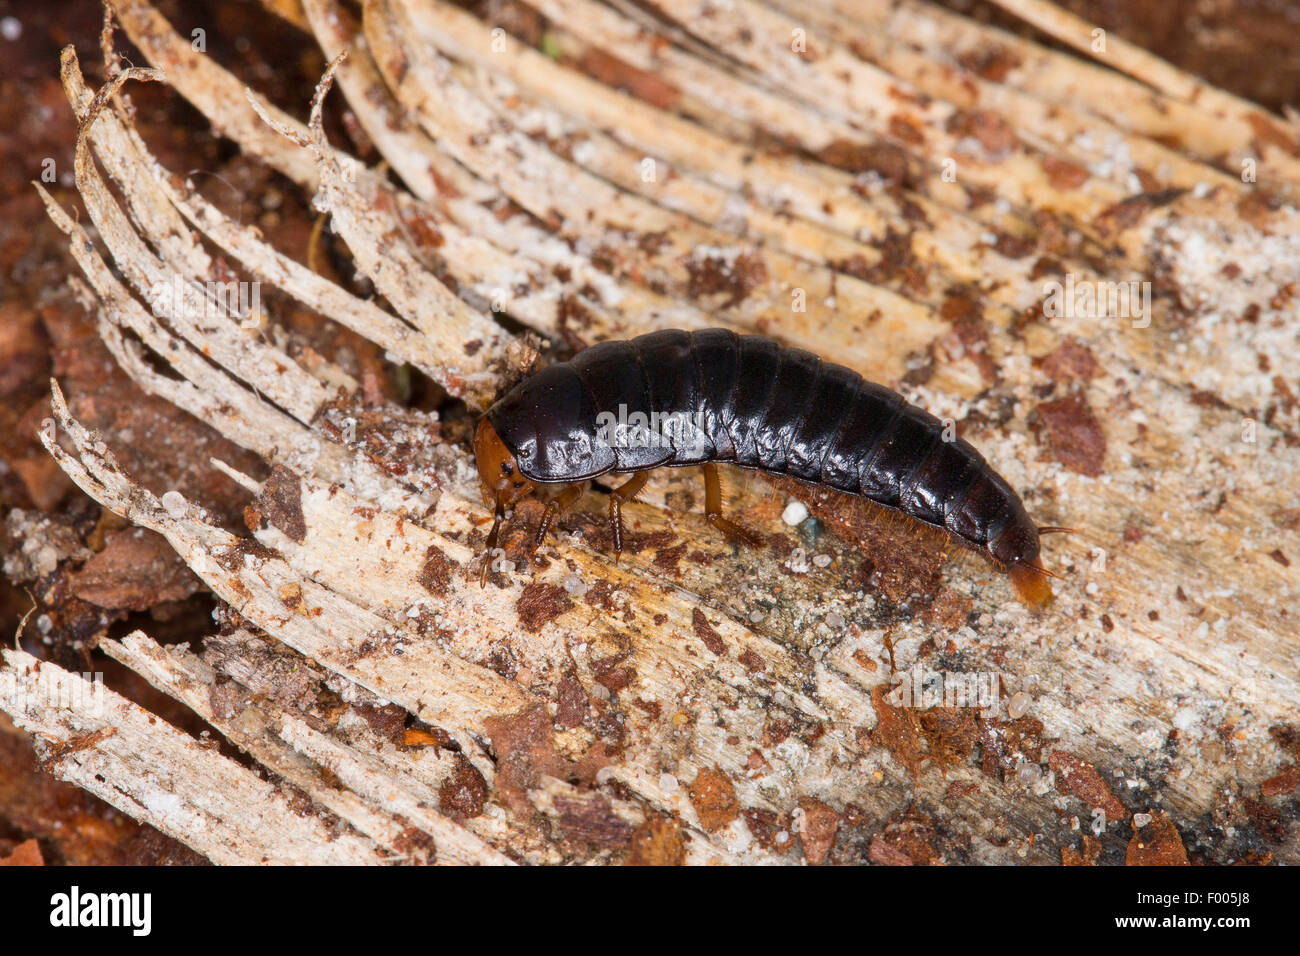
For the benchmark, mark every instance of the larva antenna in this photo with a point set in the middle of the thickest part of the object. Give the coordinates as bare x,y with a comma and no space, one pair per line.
1053,529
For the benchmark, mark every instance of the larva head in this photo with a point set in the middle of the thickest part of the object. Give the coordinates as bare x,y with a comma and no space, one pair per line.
503,483
1016,549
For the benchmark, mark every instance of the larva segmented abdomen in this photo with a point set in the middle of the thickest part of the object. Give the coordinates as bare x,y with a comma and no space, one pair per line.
754,403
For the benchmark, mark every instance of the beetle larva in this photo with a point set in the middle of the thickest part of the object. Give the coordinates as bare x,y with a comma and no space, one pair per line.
745,400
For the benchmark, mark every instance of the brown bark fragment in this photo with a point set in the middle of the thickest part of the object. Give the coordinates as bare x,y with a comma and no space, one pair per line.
712,274
1267,820
895,732
1082,779
1071,361
817,832
771,830
388,721
571,705
907,129
1156,844
417,845
907,840
614,72
1008,743
1284,782
1063,174
593,823
436,574
281,503
136,570
1127,213
888,161
524,745
541,603
464,792
705,632
714,799
658,842
990,129
992,63
1075,435
1086,855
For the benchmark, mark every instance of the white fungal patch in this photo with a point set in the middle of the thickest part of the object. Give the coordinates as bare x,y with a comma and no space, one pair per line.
795,513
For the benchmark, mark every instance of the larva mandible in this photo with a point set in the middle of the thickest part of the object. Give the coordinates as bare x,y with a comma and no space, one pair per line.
745,400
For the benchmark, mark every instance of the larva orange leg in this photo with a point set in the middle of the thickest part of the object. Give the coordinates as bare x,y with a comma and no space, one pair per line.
623,493
563,500
713,510
497,515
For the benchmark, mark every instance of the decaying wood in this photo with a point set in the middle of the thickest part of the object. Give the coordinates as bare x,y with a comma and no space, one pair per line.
153,772
693,703
1237,122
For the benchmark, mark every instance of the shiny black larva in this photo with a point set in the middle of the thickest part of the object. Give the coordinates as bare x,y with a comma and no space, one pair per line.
675,398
